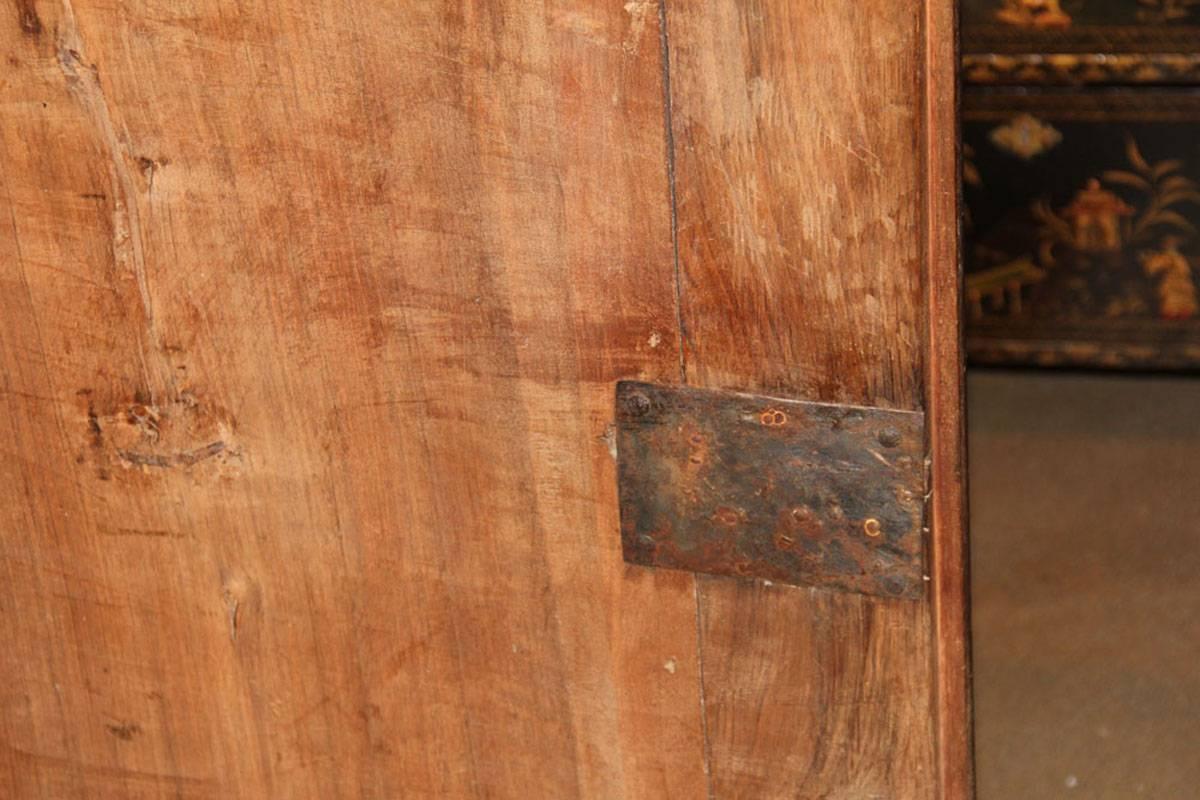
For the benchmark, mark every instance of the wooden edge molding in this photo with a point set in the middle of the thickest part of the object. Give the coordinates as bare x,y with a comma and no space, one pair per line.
945,414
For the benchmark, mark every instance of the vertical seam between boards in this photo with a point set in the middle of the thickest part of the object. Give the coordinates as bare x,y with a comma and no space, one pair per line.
673,204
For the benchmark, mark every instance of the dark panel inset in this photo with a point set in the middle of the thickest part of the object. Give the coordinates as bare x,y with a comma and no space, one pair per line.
1080,26
1081,231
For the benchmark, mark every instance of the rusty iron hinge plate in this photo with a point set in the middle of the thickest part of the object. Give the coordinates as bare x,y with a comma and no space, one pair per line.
802,493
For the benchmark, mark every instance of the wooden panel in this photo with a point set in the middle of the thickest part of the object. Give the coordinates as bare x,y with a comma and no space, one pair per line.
309,319
800,153
814,694
798,200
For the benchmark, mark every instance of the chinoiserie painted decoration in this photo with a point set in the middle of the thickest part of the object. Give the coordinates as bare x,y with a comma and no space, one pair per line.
1082,227
1081,175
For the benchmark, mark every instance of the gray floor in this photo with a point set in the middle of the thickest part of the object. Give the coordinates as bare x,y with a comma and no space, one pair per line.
1085,551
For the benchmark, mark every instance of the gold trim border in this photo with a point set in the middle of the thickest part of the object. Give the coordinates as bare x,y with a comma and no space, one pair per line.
1081,68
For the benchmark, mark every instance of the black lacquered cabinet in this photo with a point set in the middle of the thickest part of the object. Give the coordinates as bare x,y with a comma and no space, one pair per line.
1081,147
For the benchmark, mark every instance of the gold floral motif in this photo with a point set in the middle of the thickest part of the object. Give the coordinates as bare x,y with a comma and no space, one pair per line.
987,68
1033,14
1025,136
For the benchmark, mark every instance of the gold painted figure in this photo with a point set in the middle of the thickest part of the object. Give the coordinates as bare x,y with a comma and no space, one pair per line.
1176,289
1034,14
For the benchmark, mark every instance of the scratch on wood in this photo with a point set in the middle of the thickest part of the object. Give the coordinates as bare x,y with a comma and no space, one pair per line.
104,776
232,603
83,81
706,737
124,730
183,458
233,591
153,533
673,200
28,17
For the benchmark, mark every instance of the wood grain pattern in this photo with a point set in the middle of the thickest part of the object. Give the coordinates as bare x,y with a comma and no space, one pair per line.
309,318
800,139
799,196
815,694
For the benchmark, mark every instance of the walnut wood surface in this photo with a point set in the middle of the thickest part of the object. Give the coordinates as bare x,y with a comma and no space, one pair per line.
310,318
310,314
799,218
803,230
